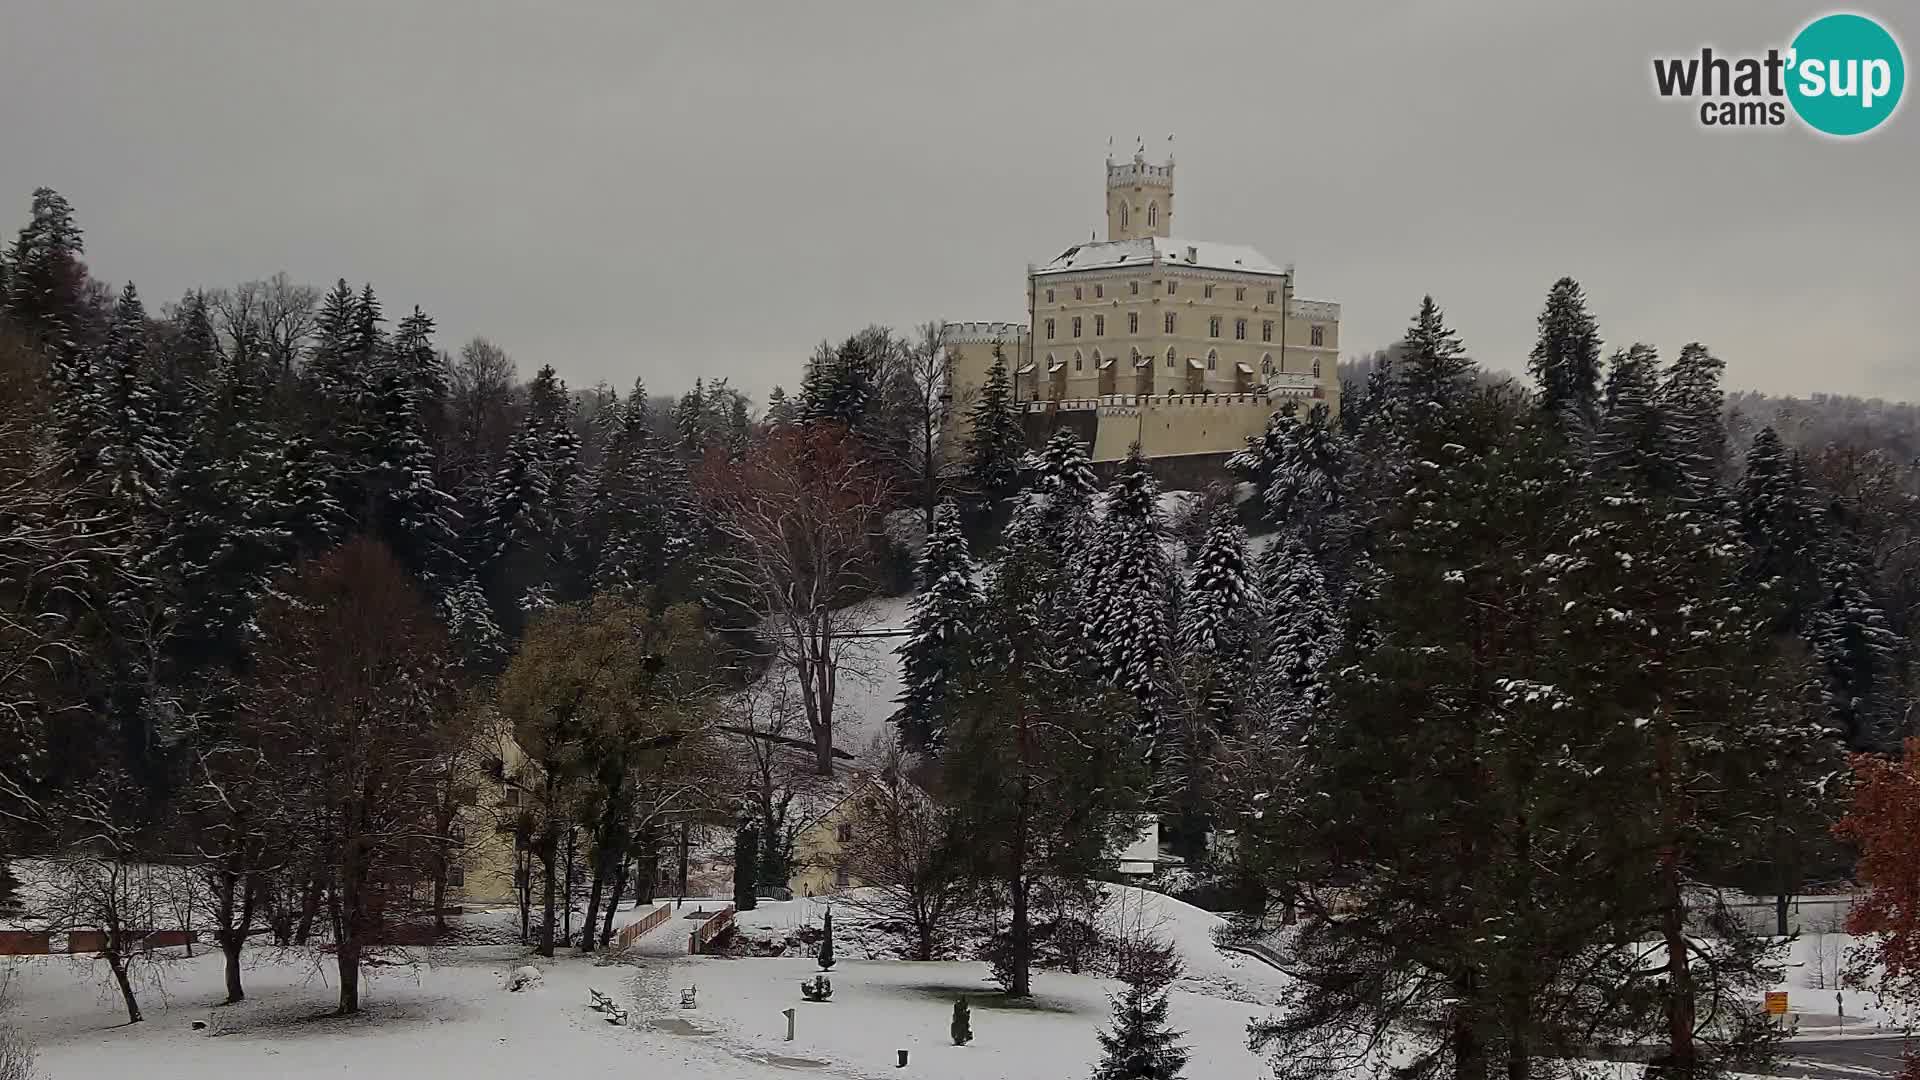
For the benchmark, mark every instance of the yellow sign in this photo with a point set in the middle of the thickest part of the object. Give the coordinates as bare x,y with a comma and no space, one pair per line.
1776,1002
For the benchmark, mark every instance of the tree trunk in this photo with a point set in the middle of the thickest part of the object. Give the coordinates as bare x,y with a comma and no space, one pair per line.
648,875
440,894
566,891
1680,1061
823,751
309,908
592,920
117,963
349,926
683,861
613,902
1469,1056
1019,940
547,858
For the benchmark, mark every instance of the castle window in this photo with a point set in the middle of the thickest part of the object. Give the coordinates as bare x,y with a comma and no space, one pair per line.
1270,295
1099,326
1076,326
1213,359
1077,361
1207,292
1266,364
1133,287
1099,292
1213,326
1050,329
1266,330
1239,329
1133,322
1169,322
1319,335
1076,292
457,876
1049,296
1170,360
1153,215
1316,367
1123,214
1239,292
1172,287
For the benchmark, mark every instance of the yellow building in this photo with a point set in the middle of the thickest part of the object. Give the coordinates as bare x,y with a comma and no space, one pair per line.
1185,346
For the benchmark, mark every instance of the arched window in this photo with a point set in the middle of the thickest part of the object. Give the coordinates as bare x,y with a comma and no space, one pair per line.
1123,213
1077,361
1096,361
1170,356
1316,367
1153,215
1266,364
1213,359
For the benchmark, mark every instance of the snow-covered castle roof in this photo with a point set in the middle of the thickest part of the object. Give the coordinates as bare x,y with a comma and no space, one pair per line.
1169,251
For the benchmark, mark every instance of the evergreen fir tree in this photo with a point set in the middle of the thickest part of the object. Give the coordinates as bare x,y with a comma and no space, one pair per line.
687,418
1858,653
1218,619
1433,369
994,445
940,631
779,409
1302,631
1693,404
1130,591
1566,358
1138,1044
406,507
46,282
134,449
227,532
1635,447
1778,520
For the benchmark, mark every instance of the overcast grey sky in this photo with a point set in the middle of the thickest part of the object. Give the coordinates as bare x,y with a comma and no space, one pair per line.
707,188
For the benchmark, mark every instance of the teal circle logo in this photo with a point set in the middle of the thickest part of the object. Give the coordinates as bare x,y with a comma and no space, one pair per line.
1845,74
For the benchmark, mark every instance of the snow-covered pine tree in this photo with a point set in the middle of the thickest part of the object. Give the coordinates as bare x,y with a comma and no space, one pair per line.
1219,620
134,450
946,614
1308,490
1780,523
1138,1044
227,533
994,445
406,508
779,409
306,476
46,283
1635,446
1302,630
1694,405
1857,651
647,524
1566,357
1433,369
687,416
1130,592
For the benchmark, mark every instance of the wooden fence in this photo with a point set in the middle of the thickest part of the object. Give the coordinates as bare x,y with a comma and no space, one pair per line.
635,931
721,922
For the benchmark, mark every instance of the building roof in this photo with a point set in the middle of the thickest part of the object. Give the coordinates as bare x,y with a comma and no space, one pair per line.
1202,254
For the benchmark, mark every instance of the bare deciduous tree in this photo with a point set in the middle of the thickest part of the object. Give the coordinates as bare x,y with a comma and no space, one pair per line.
356,687
899,858
797,516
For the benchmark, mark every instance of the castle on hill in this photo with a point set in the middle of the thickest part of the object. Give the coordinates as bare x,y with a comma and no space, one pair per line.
1186,346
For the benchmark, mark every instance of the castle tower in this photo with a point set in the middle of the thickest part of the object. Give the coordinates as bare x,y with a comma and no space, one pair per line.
1139,198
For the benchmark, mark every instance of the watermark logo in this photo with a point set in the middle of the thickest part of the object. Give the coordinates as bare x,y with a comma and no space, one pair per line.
1842,75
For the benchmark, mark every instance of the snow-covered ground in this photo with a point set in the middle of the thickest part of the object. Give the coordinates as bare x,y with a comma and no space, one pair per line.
452,1015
